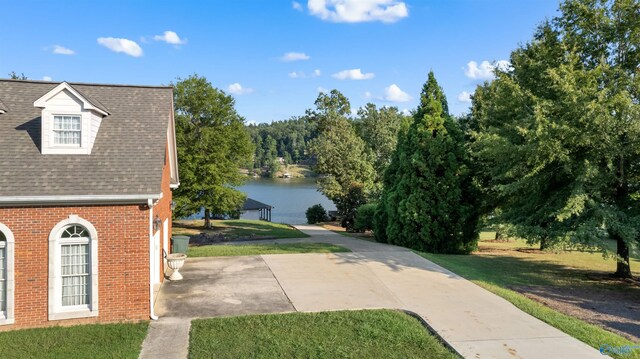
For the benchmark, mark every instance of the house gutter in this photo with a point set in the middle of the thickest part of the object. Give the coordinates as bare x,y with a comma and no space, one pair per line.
152,314
78,199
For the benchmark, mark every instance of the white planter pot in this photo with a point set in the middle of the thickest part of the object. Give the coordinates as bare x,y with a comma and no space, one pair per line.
175,261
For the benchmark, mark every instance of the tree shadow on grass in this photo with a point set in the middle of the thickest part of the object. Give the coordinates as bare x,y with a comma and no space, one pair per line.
617,310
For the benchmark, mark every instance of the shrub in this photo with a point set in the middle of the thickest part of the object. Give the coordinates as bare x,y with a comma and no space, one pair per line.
316,213
364,217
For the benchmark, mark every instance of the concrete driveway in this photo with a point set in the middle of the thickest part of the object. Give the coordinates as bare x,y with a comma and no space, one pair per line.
223,286
475,322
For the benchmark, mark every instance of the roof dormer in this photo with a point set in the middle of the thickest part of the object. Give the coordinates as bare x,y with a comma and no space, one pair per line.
70,121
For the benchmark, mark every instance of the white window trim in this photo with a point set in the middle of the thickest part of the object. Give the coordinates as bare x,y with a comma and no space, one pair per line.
52,135
56,310
49,147
7,317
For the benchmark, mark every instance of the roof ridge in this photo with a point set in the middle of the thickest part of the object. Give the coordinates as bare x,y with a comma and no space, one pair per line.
87,84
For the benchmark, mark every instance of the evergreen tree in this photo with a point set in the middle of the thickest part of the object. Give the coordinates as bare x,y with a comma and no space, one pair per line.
426,200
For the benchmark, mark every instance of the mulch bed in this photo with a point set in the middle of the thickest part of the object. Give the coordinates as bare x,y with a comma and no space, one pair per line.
204,239
615,310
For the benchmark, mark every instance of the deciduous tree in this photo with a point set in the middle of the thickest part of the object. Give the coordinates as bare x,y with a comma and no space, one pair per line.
559,132
212,145
345,165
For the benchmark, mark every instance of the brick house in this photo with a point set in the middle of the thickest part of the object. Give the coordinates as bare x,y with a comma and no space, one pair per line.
86,173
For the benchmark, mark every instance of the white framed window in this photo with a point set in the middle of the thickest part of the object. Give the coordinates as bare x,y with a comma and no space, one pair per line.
75,260
3,273
73,270
67,130
6,275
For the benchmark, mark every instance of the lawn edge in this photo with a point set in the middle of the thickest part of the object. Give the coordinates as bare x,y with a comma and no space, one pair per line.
431,330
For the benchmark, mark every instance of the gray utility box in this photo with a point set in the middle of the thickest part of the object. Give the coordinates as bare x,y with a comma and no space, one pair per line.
179,244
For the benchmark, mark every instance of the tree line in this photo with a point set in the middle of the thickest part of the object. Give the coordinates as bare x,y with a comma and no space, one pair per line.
293,139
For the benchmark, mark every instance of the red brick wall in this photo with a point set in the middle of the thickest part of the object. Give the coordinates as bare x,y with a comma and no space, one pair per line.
123,261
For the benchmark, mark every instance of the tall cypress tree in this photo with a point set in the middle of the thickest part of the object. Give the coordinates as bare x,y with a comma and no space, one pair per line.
426,200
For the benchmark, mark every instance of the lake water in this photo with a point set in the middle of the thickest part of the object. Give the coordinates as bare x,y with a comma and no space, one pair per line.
290,198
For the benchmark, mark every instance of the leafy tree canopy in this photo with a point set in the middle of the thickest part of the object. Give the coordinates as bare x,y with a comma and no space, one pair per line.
559,132
212,144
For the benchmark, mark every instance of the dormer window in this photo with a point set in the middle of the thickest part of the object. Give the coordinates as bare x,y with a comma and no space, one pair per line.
67,130
70,121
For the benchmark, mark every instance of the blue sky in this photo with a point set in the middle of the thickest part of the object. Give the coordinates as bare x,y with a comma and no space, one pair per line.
272,56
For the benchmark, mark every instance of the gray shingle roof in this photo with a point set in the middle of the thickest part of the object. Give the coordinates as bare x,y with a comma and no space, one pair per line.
127,157
252,205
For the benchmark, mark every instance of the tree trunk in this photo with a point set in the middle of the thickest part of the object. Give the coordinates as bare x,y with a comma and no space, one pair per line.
207,218
544,243
623,268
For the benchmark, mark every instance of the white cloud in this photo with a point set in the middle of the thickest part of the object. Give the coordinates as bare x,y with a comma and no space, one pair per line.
126,46
322,89
353,74
46,78
302,75
170,37
297,6
503,65
386,11
405,112
294,56
237,89
368,94
464,96
393,93
61,50
484,70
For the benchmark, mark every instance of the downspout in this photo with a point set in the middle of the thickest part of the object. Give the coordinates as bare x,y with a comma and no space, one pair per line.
151,254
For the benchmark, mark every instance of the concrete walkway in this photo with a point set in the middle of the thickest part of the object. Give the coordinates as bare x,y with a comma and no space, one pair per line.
475,322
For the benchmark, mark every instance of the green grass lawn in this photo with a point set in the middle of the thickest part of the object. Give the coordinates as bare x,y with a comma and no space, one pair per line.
82,341
343,334
502,266
237,228
222,250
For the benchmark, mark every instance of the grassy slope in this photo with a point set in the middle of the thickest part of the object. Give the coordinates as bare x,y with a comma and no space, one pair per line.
95,341
237,228
256,249
344,334
498,266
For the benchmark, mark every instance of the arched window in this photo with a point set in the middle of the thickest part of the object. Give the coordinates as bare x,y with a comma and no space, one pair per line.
73,269
6,275
3,273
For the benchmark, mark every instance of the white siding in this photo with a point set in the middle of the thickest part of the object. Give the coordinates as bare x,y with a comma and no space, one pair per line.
96,120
